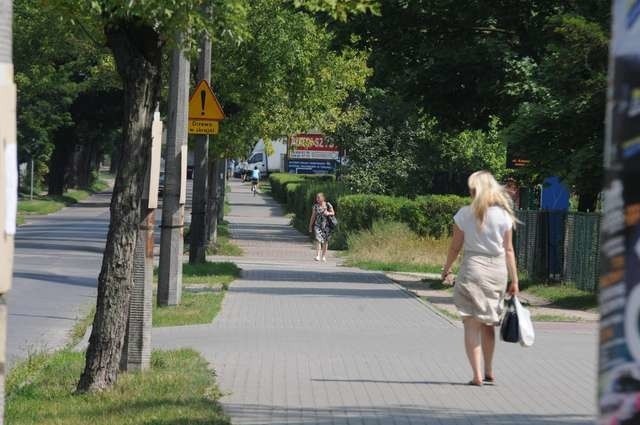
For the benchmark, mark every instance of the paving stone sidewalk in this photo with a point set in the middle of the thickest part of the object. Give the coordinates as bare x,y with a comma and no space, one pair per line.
299,342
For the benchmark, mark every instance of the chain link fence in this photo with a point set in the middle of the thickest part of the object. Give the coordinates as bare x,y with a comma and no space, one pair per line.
557,246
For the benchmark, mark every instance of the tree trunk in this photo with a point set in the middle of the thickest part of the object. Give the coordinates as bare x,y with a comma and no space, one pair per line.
587,201
59,162
212,204
222,188
137,51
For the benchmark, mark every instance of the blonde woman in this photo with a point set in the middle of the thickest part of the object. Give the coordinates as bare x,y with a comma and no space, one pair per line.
320,226
484,230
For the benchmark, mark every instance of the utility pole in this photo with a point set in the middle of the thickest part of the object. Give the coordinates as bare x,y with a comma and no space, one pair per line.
198,239
136,351
174,196
8,177
620,242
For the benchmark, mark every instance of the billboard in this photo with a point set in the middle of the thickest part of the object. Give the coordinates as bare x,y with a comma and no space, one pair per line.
619,364
311,154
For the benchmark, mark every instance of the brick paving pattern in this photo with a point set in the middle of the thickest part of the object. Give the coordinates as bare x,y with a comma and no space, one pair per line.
299,342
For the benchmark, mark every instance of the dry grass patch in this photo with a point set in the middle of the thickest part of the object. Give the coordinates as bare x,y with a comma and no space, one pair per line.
394,247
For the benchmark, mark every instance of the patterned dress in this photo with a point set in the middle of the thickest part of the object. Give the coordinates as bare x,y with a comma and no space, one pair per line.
322,227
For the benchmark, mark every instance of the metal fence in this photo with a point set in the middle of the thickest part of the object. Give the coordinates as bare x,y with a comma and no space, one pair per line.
557,246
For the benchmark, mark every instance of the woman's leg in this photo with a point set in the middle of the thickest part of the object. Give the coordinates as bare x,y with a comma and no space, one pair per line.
488,348
325,247
472,344
318,249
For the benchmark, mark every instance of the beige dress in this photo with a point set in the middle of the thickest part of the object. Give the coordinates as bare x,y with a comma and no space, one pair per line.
482,279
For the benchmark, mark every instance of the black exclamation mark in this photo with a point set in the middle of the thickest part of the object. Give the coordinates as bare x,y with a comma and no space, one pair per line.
203,96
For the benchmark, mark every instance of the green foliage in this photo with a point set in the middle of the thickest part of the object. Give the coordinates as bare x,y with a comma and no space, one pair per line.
43,393
285,77
560,120
426,216
394,151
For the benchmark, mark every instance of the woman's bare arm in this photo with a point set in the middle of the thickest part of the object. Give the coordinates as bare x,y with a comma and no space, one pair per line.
454,250
330,211
312,220
510,255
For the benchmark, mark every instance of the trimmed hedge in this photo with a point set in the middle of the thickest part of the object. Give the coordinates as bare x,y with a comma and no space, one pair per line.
430,215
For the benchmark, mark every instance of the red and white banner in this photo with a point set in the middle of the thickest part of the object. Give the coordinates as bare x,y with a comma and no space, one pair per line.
311,146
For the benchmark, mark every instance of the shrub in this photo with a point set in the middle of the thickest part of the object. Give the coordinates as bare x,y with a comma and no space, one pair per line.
426,216
279,183
430,215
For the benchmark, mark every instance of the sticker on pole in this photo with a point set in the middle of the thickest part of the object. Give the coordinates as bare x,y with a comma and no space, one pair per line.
205,112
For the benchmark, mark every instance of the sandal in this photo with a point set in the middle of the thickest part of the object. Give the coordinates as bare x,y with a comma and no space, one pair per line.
490,380
474,383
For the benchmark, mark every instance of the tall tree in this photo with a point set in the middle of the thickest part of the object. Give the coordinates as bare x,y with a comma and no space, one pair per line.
136,33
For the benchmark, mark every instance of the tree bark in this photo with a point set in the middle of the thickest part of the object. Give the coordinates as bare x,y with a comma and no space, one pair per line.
222,188
64,145
137,50
587,201
212,204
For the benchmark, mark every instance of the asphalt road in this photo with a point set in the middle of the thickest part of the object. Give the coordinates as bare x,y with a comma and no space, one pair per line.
56,267
57,261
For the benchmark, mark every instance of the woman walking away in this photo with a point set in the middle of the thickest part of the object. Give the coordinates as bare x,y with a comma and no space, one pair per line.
484,229
320,225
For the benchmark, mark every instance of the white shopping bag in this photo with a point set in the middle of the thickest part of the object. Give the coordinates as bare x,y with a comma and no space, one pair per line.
527,335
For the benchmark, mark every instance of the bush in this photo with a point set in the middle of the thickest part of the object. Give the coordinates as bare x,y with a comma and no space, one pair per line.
430,215
279,183
426,216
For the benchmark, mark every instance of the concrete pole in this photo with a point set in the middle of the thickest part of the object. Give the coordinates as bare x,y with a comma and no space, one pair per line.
198,243
8,177
136,351
171,242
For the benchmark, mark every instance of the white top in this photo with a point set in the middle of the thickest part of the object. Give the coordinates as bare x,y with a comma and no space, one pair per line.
489,238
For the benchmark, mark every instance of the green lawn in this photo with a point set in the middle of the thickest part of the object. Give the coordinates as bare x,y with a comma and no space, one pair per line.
179,389
198,305
41,205
393,266
194,309
225,245
394,247
563,296
211,273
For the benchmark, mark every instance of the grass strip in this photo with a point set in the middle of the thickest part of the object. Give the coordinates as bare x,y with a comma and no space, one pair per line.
562,295
210,273
42,205
197,306
394,266
179,389
194,309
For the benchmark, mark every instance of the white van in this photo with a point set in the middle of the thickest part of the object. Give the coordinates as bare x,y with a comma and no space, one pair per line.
267,164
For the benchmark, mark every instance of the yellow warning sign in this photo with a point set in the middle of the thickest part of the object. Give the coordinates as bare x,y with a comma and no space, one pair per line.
205,111
204,127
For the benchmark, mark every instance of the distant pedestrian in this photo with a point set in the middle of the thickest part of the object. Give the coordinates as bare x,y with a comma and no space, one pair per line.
320,225
484,229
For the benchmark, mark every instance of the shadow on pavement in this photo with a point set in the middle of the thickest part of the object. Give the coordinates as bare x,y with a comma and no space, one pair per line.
52,278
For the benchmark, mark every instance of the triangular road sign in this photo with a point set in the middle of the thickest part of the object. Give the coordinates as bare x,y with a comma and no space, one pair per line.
203,104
